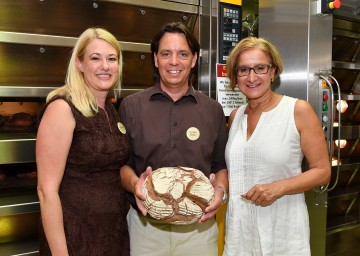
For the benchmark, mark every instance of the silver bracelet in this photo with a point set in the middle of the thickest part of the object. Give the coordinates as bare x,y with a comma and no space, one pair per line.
223,200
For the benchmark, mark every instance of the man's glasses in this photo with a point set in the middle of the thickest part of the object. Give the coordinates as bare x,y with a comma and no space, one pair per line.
258,69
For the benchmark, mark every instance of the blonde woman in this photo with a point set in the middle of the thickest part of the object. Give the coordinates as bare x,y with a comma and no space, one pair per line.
79,150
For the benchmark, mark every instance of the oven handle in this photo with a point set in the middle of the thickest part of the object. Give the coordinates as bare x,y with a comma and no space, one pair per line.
331,130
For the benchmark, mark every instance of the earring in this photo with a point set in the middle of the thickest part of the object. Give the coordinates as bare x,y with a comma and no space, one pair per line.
272,79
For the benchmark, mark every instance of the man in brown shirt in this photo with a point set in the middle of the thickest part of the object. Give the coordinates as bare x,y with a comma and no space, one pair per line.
172,124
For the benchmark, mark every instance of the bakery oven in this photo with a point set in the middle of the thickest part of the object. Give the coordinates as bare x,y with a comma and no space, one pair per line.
343,218
19,207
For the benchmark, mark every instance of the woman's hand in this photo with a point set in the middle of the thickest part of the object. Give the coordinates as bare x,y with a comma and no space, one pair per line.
264,194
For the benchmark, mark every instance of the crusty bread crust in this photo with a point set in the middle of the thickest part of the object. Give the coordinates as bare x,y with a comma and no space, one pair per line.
177,195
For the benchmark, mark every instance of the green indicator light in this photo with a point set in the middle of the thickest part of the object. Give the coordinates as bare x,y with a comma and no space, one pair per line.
325,107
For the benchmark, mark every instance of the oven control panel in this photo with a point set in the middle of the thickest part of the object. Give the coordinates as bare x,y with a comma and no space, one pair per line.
229,29
325,108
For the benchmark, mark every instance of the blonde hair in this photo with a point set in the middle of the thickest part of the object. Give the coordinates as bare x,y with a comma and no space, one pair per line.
75,88
250,43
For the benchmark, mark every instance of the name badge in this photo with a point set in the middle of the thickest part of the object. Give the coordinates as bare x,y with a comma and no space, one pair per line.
193,133
121,128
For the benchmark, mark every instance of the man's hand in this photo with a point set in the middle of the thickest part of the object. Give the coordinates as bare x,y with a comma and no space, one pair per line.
211,210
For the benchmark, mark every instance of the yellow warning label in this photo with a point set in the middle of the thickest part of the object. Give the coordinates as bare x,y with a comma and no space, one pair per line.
235,2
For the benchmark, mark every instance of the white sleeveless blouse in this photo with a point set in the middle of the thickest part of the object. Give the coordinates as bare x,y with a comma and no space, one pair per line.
272,153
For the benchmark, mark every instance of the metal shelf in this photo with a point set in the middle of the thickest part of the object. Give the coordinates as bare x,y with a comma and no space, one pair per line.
63,41
12,204
346,65
346,33
25,91
29,91
17,147
23,248
345,96
347,132
342,226
187,6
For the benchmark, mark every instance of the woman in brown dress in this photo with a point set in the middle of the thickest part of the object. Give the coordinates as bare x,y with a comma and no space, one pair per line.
81,145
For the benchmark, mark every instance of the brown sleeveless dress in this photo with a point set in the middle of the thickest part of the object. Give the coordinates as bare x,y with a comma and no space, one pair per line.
93,201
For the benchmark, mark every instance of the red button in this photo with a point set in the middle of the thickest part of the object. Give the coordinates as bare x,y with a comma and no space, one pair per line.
335,5
325,96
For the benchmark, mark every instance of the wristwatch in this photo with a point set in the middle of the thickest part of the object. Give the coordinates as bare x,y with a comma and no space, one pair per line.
223,200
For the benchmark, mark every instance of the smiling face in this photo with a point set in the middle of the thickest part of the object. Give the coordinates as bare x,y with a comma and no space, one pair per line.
255,86
99,65
174,60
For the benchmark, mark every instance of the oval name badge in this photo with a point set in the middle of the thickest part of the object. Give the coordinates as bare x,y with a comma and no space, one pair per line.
121,128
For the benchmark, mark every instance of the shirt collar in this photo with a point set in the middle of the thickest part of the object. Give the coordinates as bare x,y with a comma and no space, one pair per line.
156,91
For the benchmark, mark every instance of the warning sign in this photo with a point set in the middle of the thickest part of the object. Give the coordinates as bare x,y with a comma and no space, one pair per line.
228,98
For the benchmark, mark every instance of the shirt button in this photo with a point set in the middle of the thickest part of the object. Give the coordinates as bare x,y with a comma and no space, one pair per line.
174,146
175,123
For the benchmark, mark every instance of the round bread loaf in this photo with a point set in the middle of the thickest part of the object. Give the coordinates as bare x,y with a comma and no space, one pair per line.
20,120
177,195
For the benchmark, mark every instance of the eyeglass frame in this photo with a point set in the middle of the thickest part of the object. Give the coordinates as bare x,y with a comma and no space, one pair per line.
253,68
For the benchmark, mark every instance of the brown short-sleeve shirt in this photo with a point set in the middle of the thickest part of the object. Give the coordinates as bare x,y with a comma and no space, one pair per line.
189,132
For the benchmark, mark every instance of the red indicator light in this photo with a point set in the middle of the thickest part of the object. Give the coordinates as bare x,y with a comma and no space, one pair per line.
335,5
325,96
